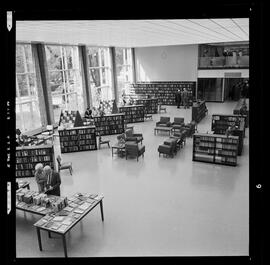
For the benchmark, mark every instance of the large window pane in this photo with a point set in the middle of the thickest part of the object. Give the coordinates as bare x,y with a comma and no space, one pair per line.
54,57
23,86
19,59
27,107
93,57
123,70
66,79
56,81
29,59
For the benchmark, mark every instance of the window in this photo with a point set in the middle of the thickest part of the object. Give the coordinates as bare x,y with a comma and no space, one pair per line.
123,61
100,74
27,106
65,79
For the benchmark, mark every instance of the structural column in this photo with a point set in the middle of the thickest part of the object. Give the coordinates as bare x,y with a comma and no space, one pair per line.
43,78
114,74
85,76
133,65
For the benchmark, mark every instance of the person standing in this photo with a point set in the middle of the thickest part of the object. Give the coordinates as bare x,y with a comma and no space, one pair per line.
185,98
178,98
40,177
53,181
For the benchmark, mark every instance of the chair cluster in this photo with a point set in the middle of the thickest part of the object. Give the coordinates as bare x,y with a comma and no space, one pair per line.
171,145
131,141
177,125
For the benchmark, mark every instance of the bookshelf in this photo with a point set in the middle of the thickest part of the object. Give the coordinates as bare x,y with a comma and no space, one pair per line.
220,124
28,156
110,124
151,105
238,107
164,91
216,149
199,111
133,113
78,139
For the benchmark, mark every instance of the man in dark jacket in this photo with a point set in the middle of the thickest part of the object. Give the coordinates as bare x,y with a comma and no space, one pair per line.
53,181
178,98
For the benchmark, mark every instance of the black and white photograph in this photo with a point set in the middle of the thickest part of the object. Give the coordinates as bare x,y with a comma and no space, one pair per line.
132,137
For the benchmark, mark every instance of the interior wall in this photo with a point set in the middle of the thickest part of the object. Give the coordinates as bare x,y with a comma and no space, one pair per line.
167,63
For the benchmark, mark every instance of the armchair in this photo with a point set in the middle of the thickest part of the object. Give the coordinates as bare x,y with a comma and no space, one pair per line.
178,123
133,137
166,149
133,149
164,122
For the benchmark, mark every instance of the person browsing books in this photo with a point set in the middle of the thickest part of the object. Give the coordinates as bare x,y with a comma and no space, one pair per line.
88,113
53,181
40,177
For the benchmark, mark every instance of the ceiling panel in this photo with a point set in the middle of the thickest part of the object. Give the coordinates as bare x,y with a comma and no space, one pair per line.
134,33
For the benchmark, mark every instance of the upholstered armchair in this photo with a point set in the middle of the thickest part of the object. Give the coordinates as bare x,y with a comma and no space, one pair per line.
164,122
134,150
166,149
190,128
133,137
177,123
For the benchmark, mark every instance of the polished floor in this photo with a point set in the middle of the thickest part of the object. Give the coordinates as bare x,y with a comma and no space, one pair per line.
154,207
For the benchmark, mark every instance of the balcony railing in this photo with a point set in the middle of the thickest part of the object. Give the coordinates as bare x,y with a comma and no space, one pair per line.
224,62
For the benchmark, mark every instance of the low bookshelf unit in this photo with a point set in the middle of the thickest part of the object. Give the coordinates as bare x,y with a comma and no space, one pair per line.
221,122
78,139
199,111
213,148
133,113
28,156
109,124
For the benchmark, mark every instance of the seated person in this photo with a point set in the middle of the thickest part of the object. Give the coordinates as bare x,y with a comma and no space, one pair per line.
88,113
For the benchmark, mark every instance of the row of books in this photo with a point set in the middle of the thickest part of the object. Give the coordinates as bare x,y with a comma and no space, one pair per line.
76,131
33,159
33,152
78,148
113,119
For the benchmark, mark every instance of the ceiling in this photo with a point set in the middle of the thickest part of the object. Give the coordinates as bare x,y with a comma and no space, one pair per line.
134,33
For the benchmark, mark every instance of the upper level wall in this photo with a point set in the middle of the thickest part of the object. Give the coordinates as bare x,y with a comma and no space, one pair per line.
167,63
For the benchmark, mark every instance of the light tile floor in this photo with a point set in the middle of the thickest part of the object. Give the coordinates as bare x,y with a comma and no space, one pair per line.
154,207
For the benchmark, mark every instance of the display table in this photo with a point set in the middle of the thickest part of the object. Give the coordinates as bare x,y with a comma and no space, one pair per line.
163,129
76,211
73,211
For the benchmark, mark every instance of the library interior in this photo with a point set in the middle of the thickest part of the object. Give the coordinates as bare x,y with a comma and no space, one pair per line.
146,119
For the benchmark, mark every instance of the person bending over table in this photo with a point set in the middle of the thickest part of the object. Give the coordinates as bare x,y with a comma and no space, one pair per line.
53,181
40,177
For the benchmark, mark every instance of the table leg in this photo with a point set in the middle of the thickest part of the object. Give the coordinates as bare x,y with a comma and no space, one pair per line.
65,245
49,234
101,210
39,239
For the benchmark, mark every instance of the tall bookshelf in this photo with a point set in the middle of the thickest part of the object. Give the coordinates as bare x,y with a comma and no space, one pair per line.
78,139
199,111
216,149
164,91
110,124
221,122
28,156
133,113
